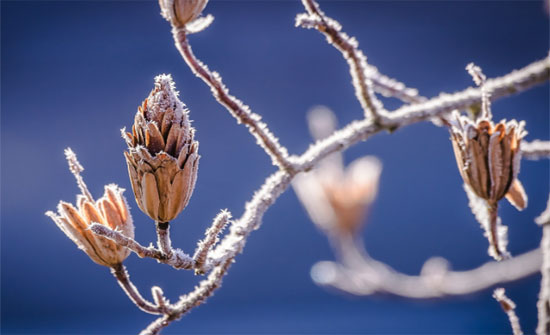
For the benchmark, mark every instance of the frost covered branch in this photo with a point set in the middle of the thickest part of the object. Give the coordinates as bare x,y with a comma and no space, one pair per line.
535,150
508,306
349,47
237,108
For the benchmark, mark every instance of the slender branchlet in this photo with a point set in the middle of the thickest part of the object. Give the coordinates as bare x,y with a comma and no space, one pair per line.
543,304
211,238
480,79
237,108
349,47
535,150
76,168
508,306
121,275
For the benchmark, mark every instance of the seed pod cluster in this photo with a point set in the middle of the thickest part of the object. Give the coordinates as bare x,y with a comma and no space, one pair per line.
162,154
110,210
488,157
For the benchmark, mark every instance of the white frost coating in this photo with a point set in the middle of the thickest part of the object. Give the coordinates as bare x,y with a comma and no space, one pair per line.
166,98
480,209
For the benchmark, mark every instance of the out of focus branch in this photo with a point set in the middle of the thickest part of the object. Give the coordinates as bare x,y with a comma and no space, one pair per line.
369,276
535,150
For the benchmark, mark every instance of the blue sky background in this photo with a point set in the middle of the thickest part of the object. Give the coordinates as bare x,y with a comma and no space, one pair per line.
73,74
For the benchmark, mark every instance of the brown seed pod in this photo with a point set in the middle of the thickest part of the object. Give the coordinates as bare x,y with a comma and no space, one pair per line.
488,158
162,155
110,210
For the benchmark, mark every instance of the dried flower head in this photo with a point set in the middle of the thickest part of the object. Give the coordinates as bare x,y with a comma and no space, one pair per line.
162,155
110,210
488,157
181,12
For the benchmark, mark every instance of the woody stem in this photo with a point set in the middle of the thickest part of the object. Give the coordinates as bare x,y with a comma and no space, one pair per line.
163,236
123,278
493,238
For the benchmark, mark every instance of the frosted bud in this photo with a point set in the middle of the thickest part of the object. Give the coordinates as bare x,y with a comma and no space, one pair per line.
110,210
181,12
162,154
488,157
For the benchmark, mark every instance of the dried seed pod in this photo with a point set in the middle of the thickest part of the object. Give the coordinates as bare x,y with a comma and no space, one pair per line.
488,157
162,155
181,12
110,210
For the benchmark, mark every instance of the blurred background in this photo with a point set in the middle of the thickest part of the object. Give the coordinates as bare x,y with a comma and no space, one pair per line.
74,72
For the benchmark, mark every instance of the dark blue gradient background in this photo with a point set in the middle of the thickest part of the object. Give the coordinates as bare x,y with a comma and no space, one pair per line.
73,74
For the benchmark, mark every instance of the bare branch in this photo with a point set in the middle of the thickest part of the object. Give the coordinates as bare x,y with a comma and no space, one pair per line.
516,81
543,304
237,108
123,279
508,306
349,47
535,150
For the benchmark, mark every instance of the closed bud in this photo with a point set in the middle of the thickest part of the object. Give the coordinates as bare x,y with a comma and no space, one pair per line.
162,154
110,210
488,157
181,12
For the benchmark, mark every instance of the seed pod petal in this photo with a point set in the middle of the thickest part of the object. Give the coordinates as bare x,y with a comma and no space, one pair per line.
150,200
516,195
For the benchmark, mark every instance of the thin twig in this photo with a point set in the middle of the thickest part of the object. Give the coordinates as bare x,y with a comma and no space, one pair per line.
237,108
123,279
349,47
211,238
535,150
508,306
543,304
